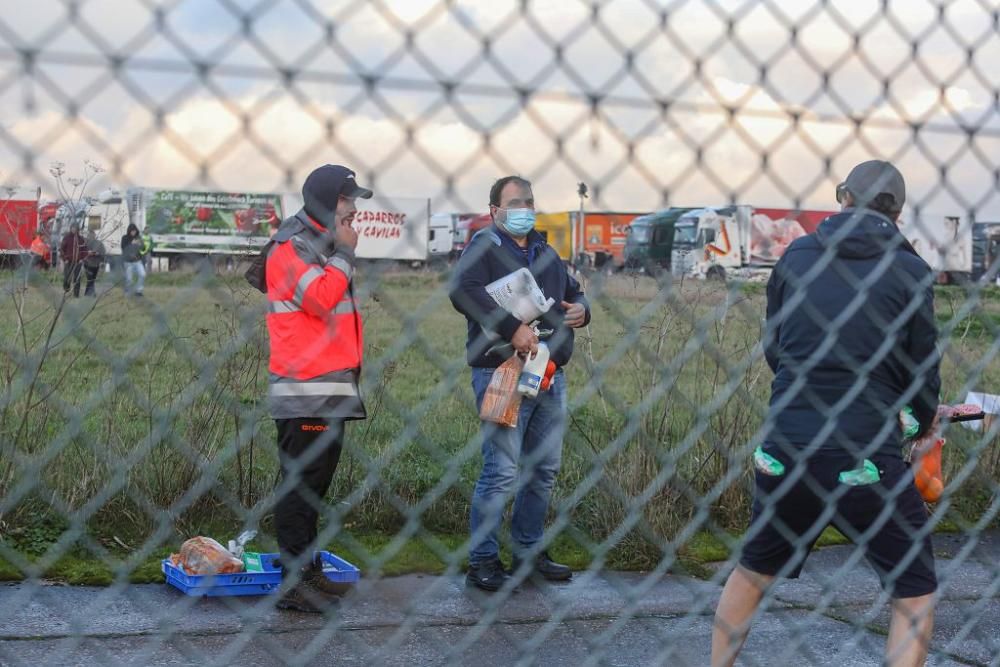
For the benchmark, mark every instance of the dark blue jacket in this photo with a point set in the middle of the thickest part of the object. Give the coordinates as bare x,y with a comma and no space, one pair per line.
850,337
491,255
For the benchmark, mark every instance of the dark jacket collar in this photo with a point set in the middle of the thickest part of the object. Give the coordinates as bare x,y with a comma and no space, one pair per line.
297,224
536,242
861,233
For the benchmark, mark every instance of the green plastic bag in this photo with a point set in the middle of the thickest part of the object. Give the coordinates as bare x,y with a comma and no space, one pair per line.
863,476
252,562
767,464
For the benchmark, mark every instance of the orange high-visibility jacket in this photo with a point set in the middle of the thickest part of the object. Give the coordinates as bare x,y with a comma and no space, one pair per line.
41,248
314,325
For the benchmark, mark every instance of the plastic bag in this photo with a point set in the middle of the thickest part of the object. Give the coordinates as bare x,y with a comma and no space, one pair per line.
236,547
203,555
502,401
518,293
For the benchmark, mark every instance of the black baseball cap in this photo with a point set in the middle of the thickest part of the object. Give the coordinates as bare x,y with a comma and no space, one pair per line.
870,179
325,186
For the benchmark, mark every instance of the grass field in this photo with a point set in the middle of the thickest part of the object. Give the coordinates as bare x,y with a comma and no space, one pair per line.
129,425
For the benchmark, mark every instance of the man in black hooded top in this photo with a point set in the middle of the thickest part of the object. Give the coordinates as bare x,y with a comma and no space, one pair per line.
852,341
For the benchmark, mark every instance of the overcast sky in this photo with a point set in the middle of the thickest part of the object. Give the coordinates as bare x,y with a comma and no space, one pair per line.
648,102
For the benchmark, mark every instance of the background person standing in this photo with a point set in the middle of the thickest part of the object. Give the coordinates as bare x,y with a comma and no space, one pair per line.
147,250
135,272
72,250
92,263
41,255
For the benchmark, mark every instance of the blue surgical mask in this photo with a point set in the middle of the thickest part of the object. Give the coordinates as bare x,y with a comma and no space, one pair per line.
519,221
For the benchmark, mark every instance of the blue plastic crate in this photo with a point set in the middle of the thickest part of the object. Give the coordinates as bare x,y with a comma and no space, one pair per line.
252,583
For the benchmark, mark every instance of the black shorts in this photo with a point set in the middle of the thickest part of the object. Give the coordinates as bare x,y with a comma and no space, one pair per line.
887,519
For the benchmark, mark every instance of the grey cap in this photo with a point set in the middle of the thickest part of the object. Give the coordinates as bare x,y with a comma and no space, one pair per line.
870,179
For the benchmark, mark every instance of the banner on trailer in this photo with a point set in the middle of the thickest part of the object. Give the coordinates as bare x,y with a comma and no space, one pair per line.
186,213
393,228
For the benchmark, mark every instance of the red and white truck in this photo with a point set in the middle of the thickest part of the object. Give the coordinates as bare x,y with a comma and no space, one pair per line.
18,220
740,242
945,243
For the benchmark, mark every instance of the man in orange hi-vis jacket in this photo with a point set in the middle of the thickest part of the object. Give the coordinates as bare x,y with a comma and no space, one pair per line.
316,349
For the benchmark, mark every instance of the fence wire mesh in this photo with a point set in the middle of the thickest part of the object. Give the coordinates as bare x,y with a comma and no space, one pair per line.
129,425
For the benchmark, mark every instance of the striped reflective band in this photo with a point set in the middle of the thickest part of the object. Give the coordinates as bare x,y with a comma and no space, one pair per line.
312,389
342,264
283,307
305,281
345,307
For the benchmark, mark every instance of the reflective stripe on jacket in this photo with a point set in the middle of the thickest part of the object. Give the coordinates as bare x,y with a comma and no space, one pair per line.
314,326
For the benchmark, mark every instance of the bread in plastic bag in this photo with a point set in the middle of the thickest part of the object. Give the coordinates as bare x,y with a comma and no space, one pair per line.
502,401
203,555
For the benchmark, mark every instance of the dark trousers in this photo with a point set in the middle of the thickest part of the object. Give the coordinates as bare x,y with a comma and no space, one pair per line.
71,273
92,272
309,451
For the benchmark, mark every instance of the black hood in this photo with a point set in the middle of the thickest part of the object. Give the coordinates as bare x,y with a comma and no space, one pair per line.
323,189
860,234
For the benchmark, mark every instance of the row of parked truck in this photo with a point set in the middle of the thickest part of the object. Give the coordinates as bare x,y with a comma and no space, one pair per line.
739,242
743,242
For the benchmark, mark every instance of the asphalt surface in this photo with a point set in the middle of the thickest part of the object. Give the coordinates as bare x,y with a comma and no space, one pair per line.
832,615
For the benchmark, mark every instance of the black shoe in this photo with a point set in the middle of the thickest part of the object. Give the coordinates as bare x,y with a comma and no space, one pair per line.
546,567
487,575
313,574
307,597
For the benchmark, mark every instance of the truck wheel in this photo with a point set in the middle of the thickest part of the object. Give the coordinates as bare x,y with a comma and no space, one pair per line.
716,273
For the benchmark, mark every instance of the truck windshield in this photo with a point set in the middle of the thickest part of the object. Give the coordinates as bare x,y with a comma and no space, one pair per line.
638,233
685,232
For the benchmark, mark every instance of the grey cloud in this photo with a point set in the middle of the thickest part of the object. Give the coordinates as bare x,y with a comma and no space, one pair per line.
467,139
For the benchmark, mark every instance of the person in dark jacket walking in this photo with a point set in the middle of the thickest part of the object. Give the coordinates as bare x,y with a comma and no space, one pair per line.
132,259
72,251
316,349
92,264
494,335
851,339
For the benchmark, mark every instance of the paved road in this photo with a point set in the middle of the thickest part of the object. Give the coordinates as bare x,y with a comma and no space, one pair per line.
830,616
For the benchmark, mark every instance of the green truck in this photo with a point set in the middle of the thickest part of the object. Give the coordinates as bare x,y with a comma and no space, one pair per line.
650,240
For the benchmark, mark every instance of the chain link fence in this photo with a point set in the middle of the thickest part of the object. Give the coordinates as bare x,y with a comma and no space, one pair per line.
675,148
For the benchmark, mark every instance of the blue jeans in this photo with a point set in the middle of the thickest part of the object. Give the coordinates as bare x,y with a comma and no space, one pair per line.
135,273
534,446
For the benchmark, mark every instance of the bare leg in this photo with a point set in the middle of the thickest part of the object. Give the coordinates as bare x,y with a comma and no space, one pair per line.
910,631
740,599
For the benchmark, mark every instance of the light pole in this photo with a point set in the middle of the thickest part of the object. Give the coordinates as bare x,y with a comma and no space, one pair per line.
578,229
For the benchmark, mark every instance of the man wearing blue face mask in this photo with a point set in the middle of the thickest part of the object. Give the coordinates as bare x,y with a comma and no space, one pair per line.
520,462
